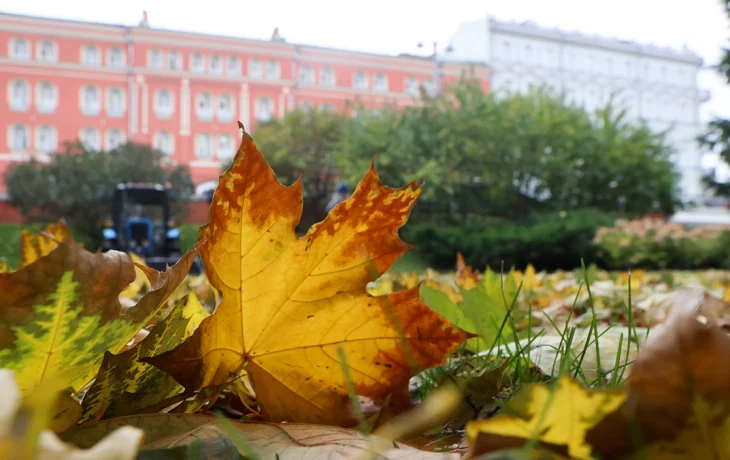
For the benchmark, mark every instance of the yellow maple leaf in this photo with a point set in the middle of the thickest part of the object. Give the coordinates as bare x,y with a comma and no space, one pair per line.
558,418
289,303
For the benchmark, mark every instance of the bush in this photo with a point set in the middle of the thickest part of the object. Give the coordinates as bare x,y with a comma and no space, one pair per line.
656,244
548,241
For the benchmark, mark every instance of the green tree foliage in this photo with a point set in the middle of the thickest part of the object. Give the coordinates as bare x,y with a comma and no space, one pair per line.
78,183
511,156
717,136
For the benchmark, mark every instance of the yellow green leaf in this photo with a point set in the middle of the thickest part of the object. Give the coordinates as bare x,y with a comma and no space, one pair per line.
59,314
125,385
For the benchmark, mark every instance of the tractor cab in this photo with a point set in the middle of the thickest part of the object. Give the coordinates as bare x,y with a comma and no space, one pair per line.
141,223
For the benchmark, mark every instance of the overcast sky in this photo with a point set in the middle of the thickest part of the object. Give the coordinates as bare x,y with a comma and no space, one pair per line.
395,26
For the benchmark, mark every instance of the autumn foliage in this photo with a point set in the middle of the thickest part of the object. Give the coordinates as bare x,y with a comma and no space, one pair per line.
300,339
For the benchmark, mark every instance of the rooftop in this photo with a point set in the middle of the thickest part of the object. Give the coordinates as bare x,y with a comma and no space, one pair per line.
530,28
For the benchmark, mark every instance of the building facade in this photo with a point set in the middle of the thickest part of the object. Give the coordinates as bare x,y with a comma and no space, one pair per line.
658,85
181,92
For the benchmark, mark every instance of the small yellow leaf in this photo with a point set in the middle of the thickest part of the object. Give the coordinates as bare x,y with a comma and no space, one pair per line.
561,418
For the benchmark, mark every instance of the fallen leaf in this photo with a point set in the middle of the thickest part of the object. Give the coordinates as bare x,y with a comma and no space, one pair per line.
289,303
66,412
678,393
141,283
60,314
124,384
479,312
33,247
558,419
466,277
204,434
23,434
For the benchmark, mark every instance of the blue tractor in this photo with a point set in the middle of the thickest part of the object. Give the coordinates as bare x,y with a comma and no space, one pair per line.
141,223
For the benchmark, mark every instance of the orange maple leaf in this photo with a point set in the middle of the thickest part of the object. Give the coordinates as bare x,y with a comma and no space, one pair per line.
289,303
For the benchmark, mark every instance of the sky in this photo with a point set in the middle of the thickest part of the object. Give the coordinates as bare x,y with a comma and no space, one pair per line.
396,26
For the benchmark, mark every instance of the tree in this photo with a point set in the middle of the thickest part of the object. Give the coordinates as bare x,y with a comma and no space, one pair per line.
78,183
717,136
304,144
485,155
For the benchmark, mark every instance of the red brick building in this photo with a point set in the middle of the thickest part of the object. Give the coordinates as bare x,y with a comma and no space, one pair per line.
178,91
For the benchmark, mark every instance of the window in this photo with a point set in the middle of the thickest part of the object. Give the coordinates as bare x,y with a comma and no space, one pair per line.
305,106
19,95
164,104
19,138
264,109
154,59
327,77
115,58
19,48
306,75
327,107
114,139
90,139
90,55
234,65
254,68
164,142
90,100
45,139
360,80
204,107
46,97
225,107
225,147
216,65
47,51
115,102
411,86
202,146
174,60
272,70
380,83
197,63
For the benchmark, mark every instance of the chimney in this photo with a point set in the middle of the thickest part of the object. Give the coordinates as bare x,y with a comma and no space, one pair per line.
275,35
145,21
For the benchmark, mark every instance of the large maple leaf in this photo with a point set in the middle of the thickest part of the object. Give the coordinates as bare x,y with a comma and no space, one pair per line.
289,303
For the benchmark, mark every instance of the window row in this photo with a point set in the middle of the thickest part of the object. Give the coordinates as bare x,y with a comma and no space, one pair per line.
46,96
46,139
325,106
20,96
47,51
213,64
205,143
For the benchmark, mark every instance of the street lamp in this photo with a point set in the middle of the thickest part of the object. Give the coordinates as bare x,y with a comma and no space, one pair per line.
436,65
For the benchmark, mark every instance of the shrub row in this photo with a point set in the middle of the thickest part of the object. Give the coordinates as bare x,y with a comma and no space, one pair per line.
656,244
548,241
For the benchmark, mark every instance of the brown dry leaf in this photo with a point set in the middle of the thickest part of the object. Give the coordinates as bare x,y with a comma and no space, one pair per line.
289,303
678,393
180,435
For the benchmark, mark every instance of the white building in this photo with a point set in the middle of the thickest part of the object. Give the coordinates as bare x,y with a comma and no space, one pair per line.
656,84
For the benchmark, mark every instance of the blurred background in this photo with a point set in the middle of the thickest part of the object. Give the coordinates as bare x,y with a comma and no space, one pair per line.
548,131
